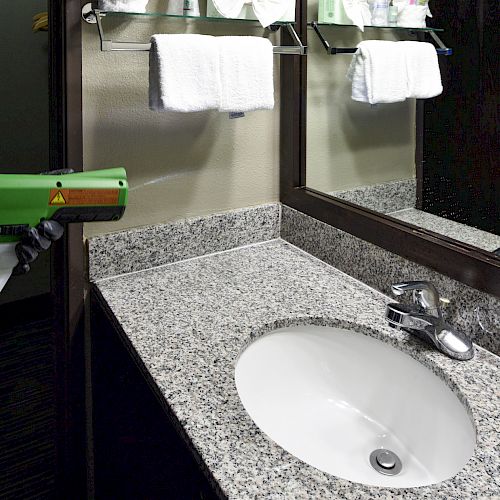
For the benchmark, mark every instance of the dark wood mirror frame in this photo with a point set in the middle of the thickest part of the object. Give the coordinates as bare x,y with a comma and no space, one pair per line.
73,474
467,264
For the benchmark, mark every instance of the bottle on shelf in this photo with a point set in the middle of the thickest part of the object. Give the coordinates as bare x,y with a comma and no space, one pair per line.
380,13
191,8
392,14
183,8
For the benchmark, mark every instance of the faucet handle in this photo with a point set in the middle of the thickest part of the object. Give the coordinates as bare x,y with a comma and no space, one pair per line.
425,294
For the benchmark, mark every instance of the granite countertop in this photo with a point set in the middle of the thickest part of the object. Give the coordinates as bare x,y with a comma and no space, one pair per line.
460,232
188,322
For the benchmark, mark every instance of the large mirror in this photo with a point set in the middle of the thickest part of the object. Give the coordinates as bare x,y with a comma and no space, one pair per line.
434,163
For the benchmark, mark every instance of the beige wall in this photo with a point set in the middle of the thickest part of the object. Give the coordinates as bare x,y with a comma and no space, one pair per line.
179,165
351,144
184,165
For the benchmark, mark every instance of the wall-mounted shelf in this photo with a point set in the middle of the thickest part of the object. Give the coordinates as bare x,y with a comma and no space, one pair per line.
95,16
397,28
146,15
441,48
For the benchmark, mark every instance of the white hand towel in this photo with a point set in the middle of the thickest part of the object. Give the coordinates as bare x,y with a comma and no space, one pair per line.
123,5
246,73
266,11
184,73
229,8
270,11
413,16
358,11
378,72
422,67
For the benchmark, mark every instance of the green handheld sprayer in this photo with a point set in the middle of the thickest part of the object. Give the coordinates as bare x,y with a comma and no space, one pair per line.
34,209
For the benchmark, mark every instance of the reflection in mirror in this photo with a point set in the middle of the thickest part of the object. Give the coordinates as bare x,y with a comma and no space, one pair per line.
366,154
24,119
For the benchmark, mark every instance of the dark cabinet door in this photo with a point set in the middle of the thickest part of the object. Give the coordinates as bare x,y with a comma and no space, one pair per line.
139,450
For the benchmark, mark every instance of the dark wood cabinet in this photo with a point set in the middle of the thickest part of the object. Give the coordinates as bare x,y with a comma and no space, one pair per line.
139,451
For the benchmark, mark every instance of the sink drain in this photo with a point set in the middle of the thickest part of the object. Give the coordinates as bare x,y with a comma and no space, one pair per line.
386,462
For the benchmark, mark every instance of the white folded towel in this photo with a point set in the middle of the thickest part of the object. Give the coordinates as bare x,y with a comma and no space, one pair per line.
413,16
246,73
123,5
378,72
184,73
358,11
266,11
422,68
229,8
270,11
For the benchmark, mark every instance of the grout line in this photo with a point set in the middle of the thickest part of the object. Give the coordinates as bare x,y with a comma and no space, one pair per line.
401,210
280,217
336,269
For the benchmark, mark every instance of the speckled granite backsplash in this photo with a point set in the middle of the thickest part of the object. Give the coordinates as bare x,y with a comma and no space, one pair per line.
145,247
150,246
379,268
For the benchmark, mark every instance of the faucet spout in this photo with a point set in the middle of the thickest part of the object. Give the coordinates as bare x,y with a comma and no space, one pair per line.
424,319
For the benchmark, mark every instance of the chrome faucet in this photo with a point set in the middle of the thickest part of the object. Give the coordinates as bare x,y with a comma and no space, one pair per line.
424,319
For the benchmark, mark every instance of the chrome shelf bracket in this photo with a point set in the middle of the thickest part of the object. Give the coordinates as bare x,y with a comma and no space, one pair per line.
94,16
442,49
329,49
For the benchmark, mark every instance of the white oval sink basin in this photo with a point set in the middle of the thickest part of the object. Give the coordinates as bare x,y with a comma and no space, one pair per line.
331,397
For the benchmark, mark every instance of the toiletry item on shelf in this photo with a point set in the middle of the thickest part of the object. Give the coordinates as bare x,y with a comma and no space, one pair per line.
392,17
199,72
265,11
380,13
246,73
191,8
184,73
332,11
422,69
175,7
138,6
348,12
378,72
